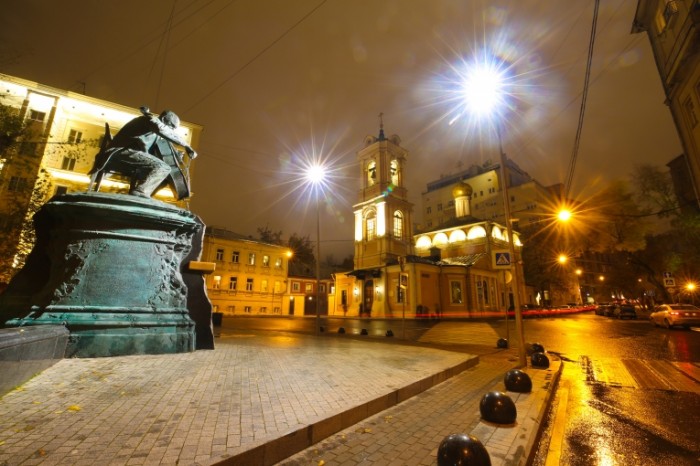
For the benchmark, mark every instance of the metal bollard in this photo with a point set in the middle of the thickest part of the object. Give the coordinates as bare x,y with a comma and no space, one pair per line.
536,348
502,343
462,450
497,407
363,331
517,381
341,330
539,360
389,333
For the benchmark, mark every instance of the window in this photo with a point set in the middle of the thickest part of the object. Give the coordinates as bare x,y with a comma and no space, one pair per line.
439,207
233,283
309,288
263,286
249,284
344,297
394,169
278,286
263,309
296,287
266,261
29,148
231,309
371,173
219,254
60,190
247,309
371,226
278,263
277,310
75,136
235,256
398,225
690,112
37,116
455,292
429,210
216,283
251,258
17,183
322,288
450,203
68,163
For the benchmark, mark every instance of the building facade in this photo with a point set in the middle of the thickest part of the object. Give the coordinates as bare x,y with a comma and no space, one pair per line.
673,29
250,277
63,136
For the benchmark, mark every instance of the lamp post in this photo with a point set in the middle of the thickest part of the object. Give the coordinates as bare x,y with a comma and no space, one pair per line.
484,91
315,174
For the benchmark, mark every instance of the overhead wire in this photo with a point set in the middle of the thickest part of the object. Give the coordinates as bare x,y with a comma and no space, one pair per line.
584,98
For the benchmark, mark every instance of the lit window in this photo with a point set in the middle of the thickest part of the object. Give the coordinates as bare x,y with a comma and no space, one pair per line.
398,225
455,292
371,226
216,284
309,288
251,258
266,261
278,263
263,286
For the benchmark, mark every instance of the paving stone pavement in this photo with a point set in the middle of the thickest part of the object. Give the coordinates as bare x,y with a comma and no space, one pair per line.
256,399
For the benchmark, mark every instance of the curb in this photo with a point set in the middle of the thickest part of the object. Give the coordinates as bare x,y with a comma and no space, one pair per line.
275,450
505,443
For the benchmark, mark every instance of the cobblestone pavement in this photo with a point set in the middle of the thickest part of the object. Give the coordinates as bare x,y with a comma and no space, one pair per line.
258,399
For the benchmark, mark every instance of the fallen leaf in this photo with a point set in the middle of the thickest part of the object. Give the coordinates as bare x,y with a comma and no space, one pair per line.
41,452
321,463
36,402
74,408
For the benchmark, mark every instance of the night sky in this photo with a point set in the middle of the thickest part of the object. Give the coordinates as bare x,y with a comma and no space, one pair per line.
277,83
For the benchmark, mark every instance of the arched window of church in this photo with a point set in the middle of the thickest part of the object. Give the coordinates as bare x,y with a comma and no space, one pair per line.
371,225
371,173
394,167
398,224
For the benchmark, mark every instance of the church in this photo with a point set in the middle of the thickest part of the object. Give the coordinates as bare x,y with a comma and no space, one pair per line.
463,268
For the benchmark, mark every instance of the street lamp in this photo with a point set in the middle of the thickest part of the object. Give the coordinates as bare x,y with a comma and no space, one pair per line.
485,89
315,174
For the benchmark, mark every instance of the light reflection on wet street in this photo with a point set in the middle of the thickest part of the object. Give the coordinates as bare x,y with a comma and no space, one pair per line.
631,392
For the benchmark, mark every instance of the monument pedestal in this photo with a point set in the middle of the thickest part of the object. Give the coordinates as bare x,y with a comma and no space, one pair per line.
108,267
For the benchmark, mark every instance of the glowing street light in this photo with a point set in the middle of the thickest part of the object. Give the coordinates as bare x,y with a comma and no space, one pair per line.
315,175
485,89
562,259
564,215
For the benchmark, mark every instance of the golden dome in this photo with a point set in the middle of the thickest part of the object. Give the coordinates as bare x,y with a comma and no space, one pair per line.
462,190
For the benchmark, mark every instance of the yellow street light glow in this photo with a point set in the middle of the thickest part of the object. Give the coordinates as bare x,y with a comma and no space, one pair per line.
579,271
690,286
564,215
562,259
601,278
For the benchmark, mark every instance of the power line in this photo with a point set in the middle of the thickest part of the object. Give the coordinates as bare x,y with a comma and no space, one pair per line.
584,98
255,57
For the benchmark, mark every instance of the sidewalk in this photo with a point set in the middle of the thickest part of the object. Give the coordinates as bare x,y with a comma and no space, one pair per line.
260,399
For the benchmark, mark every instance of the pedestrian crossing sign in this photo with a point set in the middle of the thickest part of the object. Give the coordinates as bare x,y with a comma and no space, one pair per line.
501,259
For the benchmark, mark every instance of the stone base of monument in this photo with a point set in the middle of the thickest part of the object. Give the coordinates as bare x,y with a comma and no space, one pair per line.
109,268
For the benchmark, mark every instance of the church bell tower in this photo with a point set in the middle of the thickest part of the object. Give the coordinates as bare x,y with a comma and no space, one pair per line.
383,215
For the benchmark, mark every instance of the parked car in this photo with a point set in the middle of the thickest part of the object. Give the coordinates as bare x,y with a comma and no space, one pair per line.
625,311
671,315
610,310
600,308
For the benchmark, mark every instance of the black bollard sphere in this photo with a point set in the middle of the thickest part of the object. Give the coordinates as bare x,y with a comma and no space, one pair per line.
363,331
517,381
389,333
462,450
498,407
321,329
341,330
540,360
537,348
502,343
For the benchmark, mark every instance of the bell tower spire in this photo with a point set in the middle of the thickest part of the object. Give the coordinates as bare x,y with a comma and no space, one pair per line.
383,215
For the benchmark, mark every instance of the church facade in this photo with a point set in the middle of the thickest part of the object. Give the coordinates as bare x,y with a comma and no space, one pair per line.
461,269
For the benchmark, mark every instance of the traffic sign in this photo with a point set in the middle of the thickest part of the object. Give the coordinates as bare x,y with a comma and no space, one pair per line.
501,259
669,282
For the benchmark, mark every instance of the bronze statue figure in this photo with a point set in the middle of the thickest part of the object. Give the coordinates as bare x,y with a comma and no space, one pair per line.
143,151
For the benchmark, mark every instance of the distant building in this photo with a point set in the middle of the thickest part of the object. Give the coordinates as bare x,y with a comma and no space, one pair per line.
460,268
530,201
250,276
65,129
673,29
